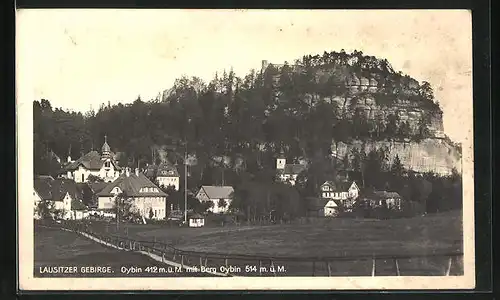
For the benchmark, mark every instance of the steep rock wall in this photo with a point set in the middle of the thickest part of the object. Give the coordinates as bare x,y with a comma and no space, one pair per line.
429,155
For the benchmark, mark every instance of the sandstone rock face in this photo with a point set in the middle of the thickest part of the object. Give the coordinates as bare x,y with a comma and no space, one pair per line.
436,154
429,155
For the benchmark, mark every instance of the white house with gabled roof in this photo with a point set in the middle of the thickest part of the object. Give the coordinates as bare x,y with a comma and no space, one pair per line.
216,195
344,192
146,198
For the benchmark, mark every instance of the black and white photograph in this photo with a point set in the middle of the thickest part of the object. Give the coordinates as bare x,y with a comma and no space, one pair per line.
244,149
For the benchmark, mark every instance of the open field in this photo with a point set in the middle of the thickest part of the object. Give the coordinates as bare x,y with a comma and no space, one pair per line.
58,248
324,248
307,249
331,237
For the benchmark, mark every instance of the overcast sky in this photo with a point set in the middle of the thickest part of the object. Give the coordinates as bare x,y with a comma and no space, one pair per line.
82,58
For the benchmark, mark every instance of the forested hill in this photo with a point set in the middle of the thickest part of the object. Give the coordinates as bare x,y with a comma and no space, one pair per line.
299,108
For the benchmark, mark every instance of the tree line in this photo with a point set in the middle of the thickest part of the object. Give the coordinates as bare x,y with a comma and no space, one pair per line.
285,108
255,116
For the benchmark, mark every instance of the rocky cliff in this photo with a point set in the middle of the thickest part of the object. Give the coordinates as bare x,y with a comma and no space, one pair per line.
430,155
367,85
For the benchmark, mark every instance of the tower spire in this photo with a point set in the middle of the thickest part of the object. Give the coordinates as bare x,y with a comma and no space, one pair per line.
105,150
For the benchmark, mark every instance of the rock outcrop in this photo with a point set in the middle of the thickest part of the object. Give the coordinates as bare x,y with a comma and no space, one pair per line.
378,92
429,155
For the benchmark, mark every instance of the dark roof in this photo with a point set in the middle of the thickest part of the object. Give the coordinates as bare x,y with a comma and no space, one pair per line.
105,147
380,195
342,186
294,168
86,191
316,203
77,205
151,171
131,185
96,187
330,183
43,186
56,189
91,161
166,170
386,195
319,203
196,216
218,192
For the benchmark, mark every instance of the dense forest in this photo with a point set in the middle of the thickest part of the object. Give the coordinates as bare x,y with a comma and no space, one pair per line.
277,109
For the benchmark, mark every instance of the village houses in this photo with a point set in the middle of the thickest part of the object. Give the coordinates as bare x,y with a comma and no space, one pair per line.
62,197
346,193
146,198
288,172
219,196
164,174
323,207
374,199
102,165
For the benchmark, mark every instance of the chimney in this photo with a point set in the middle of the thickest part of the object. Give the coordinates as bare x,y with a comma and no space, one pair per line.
136,171
265,64
127,172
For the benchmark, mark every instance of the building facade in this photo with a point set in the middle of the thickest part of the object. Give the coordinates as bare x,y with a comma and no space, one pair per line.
220,197
146,199
101,165
164,175
288,172
61,196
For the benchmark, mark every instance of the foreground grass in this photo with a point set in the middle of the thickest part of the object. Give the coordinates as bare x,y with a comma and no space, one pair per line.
55,247
321,240
330,237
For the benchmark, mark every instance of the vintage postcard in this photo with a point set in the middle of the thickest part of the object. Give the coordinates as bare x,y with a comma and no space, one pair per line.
245,149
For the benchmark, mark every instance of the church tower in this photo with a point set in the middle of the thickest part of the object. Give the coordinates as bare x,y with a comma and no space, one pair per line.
280,162
105,150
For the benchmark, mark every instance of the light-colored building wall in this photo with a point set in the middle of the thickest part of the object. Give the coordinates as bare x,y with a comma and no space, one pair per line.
37,200
216,209
331,209
107,173
155,204
291,178
167,181
280,163
142,205
196,222
105,202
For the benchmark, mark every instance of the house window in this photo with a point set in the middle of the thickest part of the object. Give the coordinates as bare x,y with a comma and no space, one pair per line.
83,177
107,164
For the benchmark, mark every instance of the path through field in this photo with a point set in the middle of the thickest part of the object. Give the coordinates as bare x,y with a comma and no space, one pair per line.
58,248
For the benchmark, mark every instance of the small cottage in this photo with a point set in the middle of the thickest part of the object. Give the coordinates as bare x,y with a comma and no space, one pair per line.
288,172
196,220
345,192
321,207
61,196
219,196
391,200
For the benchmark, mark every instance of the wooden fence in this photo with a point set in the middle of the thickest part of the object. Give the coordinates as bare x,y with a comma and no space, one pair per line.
444,263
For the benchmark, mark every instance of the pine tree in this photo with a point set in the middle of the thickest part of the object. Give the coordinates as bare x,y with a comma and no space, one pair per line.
397,168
